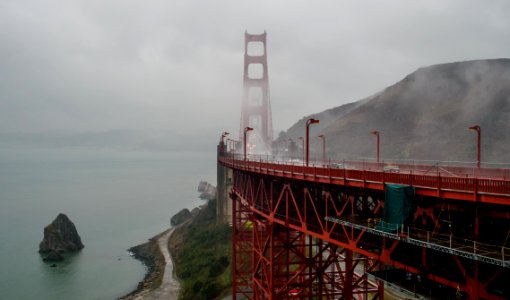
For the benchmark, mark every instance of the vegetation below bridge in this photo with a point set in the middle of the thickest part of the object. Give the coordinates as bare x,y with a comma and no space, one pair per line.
201,250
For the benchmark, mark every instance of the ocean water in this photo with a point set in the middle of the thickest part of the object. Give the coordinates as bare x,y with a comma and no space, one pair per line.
116,200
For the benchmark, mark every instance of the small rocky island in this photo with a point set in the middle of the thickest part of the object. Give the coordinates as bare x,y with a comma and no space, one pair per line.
59,237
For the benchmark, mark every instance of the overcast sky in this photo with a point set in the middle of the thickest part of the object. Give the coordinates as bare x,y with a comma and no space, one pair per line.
97,65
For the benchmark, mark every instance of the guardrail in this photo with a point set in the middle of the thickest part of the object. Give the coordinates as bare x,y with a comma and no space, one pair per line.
447,243
425,167
375,173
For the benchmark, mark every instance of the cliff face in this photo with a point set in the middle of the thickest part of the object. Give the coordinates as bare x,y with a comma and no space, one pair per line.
60,236
425,116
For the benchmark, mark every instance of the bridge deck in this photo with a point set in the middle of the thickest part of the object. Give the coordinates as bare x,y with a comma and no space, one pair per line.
491,186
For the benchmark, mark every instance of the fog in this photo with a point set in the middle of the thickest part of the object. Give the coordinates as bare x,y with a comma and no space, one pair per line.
173,69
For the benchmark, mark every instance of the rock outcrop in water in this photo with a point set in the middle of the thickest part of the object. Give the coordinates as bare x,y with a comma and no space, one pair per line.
59,237
207,191
53,256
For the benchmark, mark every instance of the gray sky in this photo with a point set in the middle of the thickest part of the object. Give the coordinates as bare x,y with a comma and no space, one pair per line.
96,65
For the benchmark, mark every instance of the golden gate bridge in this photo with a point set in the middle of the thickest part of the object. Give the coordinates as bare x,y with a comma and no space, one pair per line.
320,229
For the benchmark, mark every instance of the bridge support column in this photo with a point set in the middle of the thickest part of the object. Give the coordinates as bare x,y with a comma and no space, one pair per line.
348,276
223,186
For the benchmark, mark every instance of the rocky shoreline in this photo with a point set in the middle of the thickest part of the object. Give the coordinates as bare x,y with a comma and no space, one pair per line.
150,255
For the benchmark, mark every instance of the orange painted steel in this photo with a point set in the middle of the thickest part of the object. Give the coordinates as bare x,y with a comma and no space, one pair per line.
280,210
288,261
483,190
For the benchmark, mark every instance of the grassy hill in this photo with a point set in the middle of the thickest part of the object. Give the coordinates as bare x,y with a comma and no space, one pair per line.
424,116
201,250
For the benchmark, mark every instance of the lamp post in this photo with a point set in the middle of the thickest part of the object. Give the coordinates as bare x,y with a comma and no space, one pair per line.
308,123
223,135
303,147
246,129
478,143
222,141
376,133
323,137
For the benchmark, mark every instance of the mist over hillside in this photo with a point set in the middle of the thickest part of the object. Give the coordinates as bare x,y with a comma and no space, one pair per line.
424,116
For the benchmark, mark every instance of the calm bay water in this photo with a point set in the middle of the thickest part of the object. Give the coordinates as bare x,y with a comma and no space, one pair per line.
116,200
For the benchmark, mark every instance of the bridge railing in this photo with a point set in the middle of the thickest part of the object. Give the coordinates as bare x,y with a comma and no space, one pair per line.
425,167
485,181
444,242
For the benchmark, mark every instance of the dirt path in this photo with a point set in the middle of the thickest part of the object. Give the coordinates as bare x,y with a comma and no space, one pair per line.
169,288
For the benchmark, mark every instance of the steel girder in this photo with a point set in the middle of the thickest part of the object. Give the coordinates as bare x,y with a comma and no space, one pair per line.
290,216
286,263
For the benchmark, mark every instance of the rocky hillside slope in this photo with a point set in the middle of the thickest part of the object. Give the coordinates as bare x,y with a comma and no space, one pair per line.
424,116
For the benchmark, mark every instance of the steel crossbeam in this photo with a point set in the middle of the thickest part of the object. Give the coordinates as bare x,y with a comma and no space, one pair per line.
289,217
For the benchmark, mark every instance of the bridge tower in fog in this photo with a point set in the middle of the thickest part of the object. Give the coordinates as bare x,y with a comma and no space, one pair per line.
256,107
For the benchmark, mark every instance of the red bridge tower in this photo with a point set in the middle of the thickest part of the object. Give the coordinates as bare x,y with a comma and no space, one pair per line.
256,108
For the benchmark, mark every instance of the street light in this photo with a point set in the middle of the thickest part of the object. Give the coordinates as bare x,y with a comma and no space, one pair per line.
308,123
303,147
223,135
478,142
323,137
222,141
376,133
246,129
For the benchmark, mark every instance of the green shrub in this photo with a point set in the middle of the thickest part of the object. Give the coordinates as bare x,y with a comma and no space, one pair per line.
202,261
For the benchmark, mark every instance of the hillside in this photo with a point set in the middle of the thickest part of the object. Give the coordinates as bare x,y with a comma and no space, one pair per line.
424,116
201,252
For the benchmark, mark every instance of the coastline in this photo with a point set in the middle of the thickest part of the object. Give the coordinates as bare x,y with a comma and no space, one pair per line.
157,254
149,253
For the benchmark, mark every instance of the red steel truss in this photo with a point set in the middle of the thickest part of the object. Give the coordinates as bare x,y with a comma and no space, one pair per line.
300,233
273,261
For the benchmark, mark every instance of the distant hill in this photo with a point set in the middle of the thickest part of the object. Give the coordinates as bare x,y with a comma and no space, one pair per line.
122,139
424,116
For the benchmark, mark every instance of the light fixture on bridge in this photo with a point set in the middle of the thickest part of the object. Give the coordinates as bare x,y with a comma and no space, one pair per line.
376,133
223,135
308,123
222,147
246,129
478,130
